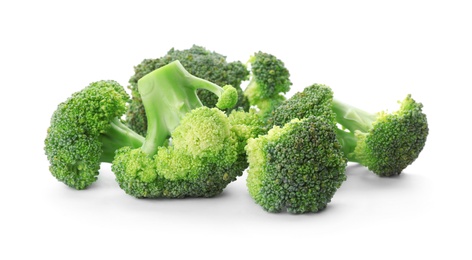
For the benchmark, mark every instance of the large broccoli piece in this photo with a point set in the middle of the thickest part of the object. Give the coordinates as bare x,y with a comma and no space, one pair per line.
269,81
297,167
199,62
386,143
190,150
85,131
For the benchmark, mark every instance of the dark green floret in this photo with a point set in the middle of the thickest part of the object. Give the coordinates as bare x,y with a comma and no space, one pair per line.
386,143
297,167
199,62
269,81
314,100
190,150
85,131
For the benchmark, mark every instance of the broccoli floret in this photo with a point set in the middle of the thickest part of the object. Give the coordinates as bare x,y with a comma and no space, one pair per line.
199,62
314,100
85,131
190,150
246,125
297,167
386,143
269,81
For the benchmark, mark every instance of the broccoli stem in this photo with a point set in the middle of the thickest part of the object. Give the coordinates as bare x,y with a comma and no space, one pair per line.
348,143
168,93
357,121
118,135
353,118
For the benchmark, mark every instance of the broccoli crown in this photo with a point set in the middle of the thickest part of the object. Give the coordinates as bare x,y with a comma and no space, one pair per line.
83,128
199,62
314,100
394,140
200,161
297,167
269,81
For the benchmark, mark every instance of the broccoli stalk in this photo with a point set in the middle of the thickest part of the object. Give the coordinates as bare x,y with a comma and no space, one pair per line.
199,62
85,131
168,94
118,135
190,150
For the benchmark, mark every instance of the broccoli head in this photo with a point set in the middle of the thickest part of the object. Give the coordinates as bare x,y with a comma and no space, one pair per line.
201,160
269,81
297,167
386,143
199,62
85,131
190,150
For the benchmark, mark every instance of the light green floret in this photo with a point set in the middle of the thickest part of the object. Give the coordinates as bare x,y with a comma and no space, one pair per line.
203,136
297,167
192,150
201,132
198,162
246,125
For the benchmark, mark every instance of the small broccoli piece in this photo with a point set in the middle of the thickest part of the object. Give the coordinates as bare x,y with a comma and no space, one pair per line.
199,62
297,167
269,81
85,131
386,143
190,150
246,125
314,100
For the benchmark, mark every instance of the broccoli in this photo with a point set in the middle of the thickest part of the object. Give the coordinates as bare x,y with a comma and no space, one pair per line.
85,131
190,150
385,143
269,81
297,167
199,62
247,125
315,100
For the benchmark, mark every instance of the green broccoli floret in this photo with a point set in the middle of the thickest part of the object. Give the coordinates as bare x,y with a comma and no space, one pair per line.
199,62
85,131
314,100
297,167
386,143
269,81
190,150
246,125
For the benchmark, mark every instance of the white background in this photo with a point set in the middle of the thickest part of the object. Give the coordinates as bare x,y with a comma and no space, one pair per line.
371,53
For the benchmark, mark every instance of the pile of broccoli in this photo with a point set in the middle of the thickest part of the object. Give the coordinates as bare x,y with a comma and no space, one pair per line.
191,127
